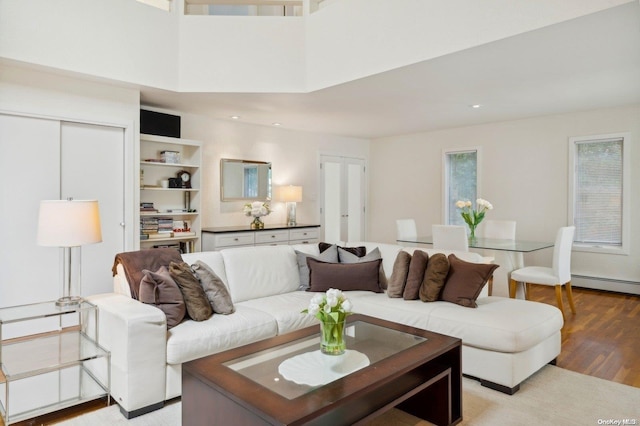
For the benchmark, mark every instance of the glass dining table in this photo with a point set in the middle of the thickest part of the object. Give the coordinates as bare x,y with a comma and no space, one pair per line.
506,253
516,246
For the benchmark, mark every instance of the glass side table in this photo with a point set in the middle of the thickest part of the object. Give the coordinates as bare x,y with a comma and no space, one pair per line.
50,359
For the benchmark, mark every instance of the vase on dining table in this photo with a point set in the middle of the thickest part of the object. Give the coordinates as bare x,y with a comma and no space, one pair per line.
472,233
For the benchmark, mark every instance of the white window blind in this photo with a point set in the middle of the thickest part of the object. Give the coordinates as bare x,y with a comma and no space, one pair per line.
598,192
461,180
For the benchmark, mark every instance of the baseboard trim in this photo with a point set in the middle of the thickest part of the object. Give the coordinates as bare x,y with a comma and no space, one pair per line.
606,284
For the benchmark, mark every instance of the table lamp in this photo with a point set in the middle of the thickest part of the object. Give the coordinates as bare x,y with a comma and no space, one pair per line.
291,195
69,224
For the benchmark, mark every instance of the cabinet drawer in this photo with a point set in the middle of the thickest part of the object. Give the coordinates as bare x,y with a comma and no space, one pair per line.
268,237
233,239
304,234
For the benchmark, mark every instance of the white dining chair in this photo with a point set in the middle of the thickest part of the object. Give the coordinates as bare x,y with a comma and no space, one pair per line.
558,275
406,229
500,230
450,237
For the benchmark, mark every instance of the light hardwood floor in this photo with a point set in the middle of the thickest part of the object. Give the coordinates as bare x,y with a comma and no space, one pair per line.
600,340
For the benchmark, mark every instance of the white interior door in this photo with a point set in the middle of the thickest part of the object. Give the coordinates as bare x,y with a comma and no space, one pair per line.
30,172
343,192
92,164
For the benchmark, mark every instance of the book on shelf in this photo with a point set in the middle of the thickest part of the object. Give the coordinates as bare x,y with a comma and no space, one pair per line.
183,234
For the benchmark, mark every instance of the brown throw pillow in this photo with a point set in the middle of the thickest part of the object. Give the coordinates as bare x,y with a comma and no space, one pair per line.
344,276
358,251
348,257
417,268
214,288
198,306
398,279
159,289
434,277
465,281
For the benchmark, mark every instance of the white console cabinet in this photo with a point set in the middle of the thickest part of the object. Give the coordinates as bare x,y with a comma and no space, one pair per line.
235,236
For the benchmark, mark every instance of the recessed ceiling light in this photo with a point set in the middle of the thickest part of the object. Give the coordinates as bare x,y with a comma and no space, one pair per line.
475,106
235,117
276,124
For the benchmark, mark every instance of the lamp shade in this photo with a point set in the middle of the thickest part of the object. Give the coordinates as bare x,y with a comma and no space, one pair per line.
69,223
290,193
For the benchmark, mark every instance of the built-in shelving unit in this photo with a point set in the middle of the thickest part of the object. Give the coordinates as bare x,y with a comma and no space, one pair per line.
179,205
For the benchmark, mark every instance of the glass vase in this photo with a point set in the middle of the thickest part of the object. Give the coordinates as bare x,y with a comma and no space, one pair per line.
472,233
257,223
332,340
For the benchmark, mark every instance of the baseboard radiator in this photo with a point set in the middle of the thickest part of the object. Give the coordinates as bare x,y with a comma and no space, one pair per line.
607,284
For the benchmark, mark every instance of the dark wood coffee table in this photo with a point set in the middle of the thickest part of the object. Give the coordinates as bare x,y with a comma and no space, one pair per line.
411,369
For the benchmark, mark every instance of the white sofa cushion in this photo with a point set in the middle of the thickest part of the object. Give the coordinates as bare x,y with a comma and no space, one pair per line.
194,339
212,258
286,309
254,272
414,313
498,324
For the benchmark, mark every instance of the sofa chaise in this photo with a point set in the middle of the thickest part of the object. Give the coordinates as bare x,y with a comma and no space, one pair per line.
504,340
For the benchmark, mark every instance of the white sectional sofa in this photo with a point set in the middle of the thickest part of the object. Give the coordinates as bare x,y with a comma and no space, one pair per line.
504,340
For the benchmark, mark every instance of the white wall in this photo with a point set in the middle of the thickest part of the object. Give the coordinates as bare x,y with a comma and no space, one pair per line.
123,40
128,41
523,172
294,157
241,54
350,39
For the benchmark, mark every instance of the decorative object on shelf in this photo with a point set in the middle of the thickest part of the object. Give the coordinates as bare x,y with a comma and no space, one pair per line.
175,182
257,209
170,157
332,309
185,179
471,216
69,224
291,195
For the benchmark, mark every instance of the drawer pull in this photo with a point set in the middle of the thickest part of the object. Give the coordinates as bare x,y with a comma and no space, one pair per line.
273,236
304,233
235,239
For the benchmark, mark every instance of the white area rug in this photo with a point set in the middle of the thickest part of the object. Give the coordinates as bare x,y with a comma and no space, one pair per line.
551,396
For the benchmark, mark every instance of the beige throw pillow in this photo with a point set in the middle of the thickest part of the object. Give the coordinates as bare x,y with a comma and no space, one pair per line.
214,288
434,277
198,306
398,279
417,268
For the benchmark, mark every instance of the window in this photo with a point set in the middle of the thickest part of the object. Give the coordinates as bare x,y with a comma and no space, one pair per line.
598,201
460,182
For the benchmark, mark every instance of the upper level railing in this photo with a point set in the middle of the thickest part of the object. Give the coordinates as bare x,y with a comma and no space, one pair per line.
251,7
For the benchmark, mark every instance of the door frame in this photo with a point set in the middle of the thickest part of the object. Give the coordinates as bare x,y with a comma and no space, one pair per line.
323,156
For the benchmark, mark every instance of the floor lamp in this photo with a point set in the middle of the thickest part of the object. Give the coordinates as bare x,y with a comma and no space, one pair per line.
291,195
69,224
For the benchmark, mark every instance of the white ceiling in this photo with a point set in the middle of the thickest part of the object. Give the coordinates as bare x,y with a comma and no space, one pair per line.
583,64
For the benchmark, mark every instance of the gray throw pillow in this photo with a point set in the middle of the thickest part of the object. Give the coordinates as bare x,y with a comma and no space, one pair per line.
348,257
329,255
198,306
398,279
159,289
214,288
